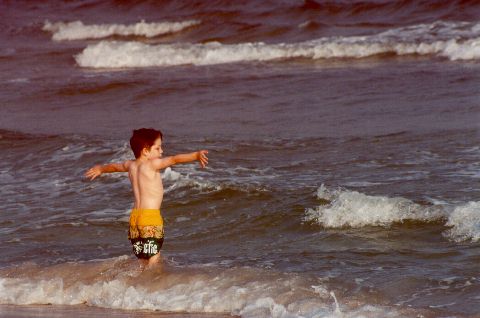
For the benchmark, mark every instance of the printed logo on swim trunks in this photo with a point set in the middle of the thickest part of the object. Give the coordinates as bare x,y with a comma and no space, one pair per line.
137,247
150,247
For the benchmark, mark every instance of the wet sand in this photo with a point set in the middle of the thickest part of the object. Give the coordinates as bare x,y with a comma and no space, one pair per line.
83,311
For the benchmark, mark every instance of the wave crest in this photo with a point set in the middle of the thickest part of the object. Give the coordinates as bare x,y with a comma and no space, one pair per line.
465,223
344,208
455,41
78,31
115,283
355,209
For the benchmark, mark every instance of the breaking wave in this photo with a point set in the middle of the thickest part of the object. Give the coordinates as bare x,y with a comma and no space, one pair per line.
78,31
344,208
355,209
178,180
452,40
465,223
116,283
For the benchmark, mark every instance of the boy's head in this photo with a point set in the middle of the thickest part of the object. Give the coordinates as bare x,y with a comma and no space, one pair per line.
143,138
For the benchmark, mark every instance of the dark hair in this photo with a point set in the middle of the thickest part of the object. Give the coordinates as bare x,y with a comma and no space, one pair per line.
143,138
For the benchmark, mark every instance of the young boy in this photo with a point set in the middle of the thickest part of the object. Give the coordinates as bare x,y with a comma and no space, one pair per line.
146,223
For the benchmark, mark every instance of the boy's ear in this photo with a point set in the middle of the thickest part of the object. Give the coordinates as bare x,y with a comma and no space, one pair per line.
145,151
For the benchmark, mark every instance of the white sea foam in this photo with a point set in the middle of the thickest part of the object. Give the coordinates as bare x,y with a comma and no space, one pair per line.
345,208
240,291
465,223
455,41
178,180
78,31
355,209
190,176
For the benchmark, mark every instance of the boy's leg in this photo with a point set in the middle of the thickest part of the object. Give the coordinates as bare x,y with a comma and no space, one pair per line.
154,260
154,246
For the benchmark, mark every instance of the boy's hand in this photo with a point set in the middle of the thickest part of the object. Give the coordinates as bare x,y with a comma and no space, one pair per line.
202,158
93,172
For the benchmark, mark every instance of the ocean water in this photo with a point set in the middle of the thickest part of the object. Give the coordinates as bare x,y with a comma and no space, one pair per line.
343,139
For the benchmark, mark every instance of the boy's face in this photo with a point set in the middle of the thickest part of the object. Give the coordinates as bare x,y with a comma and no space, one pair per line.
156,150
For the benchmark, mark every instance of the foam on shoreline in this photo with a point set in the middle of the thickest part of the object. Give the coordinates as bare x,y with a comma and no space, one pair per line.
117,284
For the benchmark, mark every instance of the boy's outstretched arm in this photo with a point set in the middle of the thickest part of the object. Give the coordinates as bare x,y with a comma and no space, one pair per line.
98,170
200,156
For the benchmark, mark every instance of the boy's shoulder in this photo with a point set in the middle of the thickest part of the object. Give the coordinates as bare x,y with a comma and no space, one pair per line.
155,164
145,165
128,164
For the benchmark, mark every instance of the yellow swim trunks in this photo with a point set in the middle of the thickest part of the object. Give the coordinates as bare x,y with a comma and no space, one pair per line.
145,223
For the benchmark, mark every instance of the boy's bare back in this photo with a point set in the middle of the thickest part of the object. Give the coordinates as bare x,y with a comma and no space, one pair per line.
147,185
